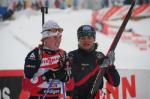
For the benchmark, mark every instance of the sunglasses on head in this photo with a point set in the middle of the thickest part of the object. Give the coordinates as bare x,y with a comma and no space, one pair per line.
54,30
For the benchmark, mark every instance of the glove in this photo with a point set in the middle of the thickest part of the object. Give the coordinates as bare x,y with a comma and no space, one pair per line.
61,74
48,75
109,59
62,61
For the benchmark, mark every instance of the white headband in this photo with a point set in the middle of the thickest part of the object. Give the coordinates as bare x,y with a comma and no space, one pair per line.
46,34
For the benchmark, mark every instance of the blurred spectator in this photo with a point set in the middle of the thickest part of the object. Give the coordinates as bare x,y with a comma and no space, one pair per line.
57,3
51,3
75,4
127,2
104,3
69,3
47,3
62,4
140,2
96,4
20,5
6,12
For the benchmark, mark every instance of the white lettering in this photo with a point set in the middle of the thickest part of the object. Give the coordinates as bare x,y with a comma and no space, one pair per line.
0,94
50,60
6,93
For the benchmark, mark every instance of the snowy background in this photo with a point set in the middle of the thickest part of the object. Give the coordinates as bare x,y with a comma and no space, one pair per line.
19,36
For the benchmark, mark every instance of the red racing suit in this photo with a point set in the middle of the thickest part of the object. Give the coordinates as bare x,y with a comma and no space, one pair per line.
44,73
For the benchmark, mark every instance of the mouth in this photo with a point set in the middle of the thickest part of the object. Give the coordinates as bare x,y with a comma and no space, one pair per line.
57,45
86,45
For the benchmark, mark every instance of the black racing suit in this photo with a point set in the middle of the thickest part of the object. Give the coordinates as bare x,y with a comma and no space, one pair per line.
85,66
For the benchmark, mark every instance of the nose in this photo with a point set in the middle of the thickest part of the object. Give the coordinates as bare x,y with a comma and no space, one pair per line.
86,39
58,37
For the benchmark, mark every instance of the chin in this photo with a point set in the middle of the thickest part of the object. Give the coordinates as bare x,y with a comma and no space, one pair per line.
86,48
56,48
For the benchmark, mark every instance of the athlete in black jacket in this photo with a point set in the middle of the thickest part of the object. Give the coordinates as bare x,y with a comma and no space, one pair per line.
85,63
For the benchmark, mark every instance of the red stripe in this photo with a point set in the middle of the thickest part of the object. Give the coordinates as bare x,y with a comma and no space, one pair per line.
82,81
110,12
54,66
110,78
4,73
139,9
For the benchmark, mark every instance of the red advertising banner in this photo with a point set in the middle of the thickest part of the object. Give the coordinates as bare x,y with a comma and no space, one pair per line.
118,12
104,20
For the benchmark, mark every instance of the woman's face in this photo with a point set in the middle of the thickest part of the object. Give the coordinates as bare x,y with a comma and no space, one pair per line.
53,42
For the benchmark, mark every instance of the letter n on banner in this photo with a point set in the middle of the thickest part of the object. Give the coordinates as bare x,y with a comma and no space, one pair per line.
112,90
130,87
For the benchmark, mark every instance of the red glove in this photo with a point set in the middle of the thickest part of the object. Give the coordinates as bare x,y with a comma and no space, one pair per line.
70,84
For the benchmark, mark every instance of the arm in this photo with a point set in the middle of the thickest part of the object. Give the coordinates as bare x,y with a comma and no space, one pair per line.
112,76
30,68
32,64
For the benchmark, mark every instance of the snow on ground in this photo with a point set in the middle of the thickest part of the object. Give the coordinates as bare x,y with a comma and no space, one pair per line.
18,37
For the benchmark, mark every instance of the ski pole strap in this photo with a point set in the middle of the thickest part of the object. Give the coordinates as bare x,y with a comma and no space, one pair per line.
64,92
50,84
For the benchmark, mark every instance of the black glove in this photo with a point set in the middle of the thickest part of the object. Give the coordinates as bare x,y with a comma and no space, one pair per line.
109,59
48,75
61,74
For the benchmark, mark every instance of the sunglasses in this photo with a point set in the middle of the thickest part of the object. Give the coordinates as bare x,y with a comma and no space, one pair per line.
54,30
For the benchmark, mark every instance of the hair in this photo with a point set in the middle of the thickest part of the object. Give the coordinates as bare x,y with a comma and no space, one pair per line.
86,30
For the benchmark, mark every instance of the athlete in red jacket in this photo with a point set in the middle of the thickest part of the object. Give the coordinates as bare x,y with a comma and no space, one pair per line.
45,68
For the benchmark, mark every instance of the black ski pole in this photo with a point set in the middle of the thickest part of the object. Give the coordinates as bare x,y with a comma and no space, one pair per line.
44,10
112,48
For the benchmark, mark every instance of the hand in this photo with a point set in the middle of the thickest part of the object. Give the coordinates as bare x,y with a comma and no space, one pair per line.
111,57
61,74
62,61
48,75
